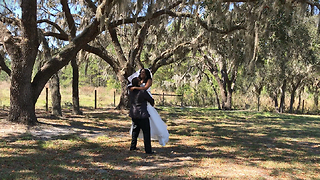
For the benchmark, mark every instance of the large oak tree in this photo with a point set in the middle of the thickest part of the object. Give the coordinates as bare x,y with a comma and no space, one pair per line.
22,48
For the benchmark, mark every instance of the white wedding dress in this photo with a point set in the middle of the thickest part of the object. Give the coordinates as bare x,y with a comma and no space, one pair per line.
158,129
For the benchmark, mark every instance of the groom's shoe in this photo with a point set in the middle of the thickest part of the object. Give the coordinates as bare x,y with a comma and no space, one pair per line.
134,149
152,152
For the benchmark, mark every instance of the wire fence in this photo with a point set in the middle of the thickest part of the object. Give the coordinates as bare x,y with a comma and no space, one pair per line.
111,98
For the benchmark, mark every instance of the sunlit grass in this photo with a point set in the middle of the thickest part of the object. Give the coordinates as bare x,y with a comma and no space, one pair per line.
104,97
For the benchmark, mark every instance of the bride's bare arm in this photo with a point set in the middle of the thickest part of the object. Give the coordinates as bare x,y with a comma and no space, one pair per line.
148,84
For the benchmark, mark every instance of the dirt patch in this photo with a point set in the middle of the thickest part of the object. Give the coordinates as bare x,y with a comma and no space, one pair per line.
51,127
8,129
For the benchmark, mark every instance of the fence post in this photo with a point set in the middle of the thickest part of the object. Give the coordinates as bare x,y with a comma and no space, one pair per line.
182,100
259,103
162,98
114,98
47,109
95,99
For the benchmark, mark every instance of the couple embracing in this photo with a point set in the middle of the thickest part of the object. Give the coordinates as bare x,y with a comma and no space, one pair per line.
144,116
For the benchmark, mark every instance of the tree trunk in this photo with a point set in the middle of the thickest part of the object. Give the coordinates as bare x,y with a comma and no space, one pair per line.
258,94
215,91
22,104
75,87
55,95
22,100
292,100
223,98
22,108
229,89
316,99
283,95
124,98
299,101
275,100
225,86
223,93
228,105
292,96
258,89
217,97
293,92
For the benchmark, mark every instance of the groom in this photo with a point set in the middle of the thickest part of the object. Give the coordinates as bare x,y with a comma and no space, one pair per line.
140,116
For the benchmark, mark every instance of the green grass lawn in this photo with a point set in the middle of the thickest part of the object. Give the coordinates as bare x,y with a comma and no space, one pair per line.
204,144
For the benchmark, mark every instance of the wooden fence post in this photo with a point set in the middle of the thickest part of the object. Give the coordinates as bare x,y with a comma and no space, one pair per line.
95,99
114,98
47,107
163,99
182,100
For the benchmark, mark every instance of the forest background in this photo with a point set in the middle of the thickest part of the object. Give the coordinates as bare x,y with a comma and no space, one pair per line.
260,55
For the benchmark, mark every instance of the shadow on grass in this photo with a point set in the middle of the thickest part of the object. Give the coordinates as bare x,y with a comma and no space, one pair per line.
245,137
79,161
284,138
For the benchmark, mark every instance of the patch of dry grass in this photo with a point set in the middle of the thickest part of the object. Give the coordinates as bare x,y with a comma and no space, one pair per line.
105,97
204,144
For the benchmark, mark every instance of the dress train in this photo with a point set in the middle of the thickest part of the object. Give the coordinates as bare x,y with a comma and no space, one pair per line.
158,129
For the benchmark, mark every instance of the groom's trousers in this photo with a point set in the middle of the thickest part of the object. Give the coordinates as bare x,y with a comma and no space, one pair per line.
143,124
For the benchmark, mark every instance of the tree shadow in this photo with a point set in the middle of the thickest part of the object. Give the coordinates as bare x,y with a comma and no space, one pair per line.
64,163
252,137
264,137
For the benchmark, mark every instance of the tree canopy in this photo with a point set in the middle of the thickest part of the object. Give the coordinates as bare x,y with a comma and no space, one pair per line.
224,41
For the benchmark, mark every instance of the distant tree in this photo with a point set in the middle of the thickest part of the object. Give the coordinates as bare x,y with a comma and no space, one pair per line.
226,51
54,83
288,53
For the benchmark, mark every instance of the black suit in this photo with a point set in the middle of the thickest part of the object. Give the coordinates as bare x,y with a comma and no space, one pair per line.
140,117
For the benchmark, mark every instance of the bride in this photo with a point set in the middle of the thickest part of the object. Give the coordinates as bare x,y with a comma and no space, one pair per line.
158,129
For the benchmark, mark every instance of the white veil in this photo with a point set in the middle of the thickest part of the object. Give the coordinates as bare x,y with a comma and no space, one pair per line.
136,74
